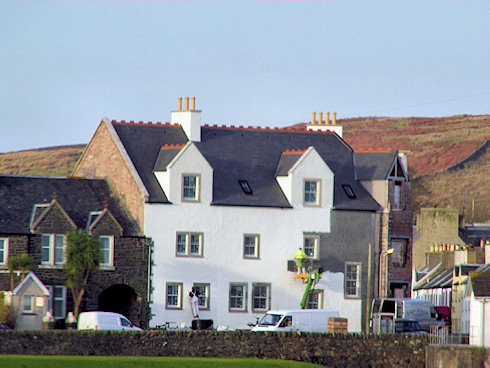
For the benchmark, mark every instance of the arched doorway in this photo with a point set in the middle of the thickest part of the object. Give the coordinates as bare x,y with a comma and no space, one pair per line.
121,299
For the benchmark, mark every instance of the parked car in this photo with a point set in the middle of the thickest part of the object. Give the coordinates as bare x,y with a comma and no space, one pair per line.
3,326
408,326
309,320
104,321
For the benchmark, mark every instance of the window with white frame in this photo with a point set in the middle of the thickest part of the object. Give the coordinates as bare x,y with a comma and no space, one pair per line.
57,301
53,249
4,251
173,295
311,193
28,304
251,246
315,299
310,246
352,276
189,244
204,292
399,255
261,297
106,250
190,187
238,297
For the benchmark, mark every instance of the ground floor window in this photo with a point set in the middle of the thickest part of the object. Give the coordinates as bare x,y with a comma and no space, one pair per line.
173,295
57,301
204,293
238,297
261,297
315,299
352,275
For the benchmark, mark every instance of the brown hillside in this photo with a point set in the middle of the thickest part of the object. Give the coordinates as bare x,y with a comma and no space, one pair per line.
50,161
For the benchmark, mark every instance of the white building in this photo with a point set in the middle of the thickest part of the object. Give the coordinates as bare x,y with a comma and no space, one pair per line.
228,207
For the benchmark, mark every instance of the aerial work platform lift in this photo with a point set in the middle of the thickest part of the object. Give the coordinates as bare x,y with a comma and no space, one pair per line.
310,280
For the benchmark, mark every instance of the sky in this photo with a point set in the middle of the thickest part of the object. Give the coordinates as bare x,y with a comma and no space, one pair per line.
64,65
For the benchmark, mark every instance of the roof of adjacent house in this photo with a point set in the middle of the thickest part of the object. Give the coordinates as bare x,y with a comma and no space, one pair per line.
374,165
480,283
19,196
247,154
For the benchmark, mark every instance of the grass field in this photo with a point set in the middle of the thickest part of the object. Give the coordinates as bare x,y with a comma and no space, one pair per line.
34,361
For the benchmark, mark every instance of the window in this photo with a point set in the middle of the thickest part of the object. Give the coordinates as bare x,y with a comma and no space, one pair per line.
398,257
311,192
352,279
125,322
189,245
245,186
315,299
190,187
251,246
3,251
348,191
310,246
261,298
57,301
28,304
173,295
52,249
397,195
106,250
238,298
203,290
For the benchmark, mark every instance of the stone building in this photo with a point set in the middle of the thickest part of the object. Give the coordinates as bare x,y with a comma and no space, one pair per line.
35,215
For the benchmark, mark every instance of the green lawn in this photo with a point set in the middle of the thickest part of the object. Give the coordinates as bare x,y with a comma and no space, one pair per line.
34,361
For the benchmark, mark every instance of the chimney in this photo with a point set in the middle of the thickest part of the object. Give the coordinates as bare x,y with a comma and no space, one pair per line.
325,125
189,119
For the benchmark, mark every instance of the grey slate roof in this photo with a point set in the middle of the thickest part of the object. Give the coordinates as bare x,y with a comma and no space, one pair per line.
78,197
243,154
287,161
481,284
374,165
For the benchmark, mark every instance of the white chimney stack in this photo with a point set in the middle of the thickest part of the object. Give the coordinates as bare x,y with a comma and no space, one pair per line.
189,118
324,125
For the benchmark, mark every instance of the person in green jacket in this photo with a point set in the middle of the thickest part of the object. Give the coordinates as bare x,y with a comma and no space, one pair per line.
300,258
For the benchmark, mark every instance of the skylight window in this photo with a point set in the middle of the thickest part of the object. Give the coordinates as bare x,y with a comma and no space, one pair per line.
245,186
348,190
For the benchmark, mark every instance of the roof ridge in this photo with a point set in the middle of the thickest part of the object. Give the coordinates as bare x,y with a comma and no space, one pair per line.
294,151
172,146
150,123
258,128
373,150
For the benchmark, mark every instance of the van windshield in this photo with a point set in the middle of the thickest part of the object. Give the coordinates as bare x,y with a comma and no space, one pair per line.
270,320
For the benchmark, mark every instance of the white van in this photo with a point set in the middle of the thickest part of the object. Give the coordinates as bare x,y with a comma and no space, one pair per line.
104,321
308,320
385,311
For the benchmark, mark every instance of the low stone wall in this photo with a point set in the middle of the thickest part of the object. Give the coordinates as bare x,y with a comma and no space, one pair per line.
329,349
455,356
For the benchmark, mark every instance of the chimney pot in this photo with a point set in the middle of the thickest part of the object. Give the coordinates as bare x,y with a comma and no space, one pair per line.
327,117
179,104
320,118
313,117
334,118
193,103
187,104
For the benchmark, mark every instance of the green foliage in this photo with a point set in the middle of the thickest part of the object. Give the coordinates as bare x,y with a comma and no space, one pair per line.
22,263
402,123
82,256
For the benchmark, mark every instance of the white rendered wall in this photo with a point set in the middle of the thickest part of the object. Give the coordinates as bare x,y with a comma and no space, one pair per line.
281,234
480,322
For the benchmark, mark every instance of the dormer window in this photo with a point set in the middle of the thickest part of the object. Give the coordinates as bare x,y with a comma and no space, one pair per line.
245,186
348,191
311,194
190,187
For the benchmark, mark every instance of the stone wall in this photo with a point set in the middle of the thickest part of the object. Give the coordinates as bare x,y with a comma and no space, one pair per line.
331,350
455,356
